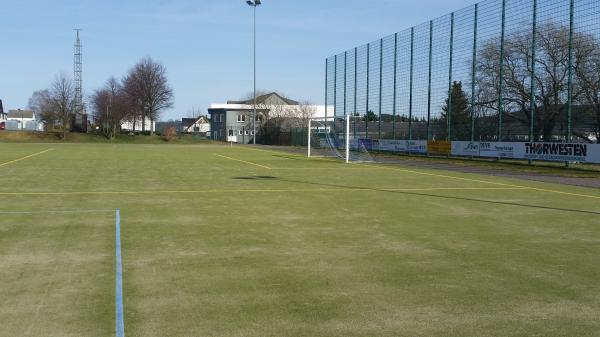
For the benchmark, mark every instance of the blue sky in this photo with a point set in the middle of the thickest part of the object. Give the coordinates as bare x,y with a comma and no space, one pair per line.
206,46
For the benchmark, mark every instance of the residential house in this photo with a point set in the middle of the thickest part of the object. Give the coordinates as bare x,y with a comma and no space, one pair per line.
199,125
23,120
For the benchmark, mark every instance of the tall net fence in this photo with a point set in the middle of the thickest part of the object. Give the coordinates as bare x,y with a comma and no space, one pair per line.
500,70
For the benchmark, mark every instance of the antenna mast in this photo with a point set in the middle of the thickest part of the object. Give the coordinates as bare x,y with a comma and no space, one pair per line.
78,73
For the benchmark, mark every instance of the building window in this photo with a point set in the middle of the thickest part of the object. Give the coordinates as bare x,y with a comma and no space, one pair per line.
240,132
246,132
241,118
230,133
252,132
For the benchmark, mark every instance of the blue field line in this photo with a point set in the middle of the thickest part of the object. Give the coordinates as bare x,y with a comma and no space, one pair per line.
120,324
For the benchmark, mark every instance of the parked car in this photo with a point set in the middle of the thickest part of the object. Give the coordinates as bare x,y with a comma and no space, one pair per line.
2,125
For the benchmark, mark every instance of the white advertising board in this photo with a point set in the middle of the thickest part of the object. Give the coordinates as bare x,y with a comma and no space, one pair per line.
580,152
413,146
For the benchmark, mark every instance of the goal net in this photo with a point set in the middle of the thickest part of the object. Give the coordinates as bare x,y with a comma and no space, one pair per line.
333,137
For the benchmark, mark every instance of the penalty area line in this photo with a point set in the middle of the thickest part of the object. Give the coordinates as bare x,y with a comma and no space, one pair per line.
26,157
243,161
119,322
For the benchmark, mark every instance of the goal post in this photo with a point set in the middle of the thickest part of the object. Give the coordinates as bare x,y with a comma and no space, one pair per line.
332,137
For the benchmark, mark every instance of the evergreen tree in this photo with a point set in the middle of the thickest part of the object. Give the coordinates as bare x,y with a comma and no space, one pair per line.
460,121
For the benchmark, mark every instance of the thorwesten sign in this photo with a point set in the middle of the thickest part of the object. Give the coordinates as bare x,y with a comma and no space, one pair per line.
580,152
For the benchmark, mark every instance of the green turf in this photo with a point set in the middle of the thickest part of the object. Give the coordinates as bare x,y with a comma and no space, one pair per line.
214,245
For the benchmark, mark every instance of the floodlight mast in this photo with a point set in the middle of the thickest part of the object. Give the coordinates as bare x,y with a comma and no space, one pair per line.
254,4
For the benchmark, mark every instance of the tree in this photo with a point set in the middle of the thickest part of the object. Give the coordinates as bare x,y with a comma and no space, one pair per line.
111,106
62,101
551,76
370,117
587,74
148,90
301,114
41,103
460,116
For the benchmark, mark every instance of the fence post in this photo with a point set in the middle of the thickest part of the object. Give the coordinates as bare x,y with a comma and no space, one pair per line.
345,70
326,83
570,85
449,112
429,80
410,100
380,84
395,90
501,73
334,90
533,62
367,94
308,131
473,70
355,83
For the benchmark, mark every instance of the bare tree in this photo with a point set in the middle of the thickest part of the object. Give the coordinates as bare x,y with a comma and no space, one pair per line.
587,72
62,100
111,106
147,89
301,113
41,103
551,76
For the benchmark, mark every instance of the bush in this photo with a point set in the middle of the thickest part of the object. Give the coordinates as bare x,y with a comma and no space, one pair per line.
169,134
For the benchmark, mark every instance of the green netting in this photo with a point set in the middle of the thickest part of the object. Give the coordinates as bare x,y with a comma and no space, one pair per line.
500,70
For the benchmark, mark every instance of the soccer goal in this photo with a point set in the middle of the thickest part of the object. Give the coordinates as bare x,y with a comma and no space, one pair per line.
333,137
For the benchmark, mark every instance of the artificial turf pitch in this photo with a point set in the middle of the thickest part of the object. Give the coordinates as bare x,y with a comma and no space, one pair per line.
236,241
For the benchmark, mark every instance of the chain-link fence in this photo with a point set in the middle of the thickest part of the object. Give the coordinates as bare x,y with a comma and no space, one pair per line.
500,70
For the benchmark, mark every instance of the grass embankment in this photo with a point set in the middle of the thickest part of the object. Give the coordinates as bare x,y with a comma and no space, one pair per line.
54,137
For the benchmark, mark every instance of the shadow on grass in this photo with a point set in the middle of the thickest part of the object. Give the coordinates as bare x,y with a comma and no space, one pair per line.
256,178
494,202
291,157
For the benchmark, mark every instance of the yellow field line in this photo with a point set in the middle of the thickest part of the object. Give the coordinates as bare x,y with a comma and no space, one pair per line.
339,189
454,177
486,182
275,152
23,158
243,161
562,192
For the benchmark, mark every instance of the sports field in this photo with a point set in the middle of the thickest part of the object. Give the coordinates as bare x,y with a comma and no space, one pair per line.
238,241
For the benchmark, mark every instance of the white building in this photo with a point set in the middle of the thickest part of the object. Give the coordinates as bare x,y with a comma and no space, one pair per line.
136,126
199,125
232,122
22,120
